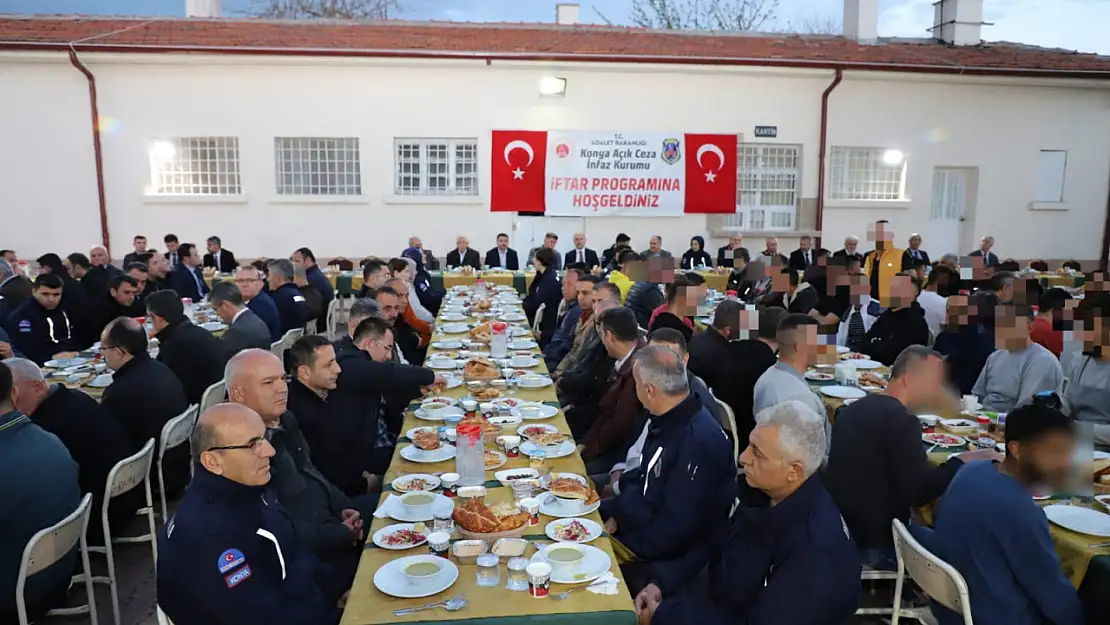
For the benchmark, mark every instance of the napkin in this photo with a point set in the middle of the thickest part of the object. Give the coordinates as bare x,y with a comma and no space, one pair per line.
386,506
605,585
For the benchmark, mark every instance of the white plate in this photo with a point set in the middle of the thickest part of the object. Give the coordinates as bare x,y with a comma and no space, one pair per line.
379,537
413,453
595,564
842,392
214,326
528,364
447,412
1100,455
103,380
523,344
503,459
453,316
595,530
453,382
561,450
817,376
513,317
443,364
447,344
841,349
553,507
399,483
546,412
453,328
871,388
430,428
397,511
533,381
450,401
959,425
546,480
519,332
1079,519
546,427
390,580
501,475
962,442
67,362
864,365
508,421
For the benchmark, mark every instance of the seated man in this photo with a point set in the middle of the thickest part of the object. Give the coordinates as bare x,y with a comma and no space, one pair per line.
291,306
325,518
784,559
39,489
567,335
989,528
901,325
619,406
118,302
1019,368
231,554
40,327
195,356
245,329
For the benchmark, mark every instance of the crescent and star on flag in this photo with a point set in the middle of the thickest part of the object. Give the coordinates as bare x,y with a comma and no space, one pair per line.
711,175
518,173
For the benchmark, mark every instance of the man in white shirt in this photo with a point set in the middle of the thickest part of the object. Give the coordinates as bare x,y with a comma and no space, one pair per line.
581,254
502,256
934,298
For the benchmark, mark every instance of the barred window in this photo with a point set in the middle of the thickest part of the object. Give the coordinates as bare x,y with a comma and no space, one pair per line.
195,166
317,166
436,166
767,187
866,174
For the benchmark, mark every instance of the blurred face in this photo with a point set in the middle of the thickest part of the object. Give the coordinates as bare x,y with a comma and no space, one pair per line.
1045,460
550,242
324,370
925,383
139,244
956,312
765,468
502,243
377,279
213,247
299,260
1011,332
772,245
579,240
735,241
915,242
986,243
380,349
124,295
804,243
140,277
158,266
171,246
390,305
47,297
415,242
780,282
902,291
249,464
850,245
98,257
261,387
462,243
694,245
570,286
584,291
655,244
249,283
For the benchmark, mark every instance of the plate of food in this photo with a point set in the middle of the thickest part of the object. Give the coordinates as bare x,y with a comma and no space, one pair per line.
842,392
514,332
423,432
401,536
481,369
476,519
447,344
872,379
817,376
508,476
534,410
569,497
441,363
454,328
573,530
442,399
533,380
511,402
416,576
561,449
574,564
536,430
1079,519
63,363
480,333
1100,472
434,411
103,380
505,422
513,316
486,393
414,482
850,355
523,344
481,305
495,459
960,426
453,316
866,364
944,441
214,326
413,453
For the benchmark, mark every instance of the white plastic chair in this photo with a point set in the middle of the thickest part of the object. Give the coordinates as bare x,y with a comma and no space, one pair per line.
50,545
126,476
730,426
175,433
538,319
937,578
213,395
278,347
334,308
162,618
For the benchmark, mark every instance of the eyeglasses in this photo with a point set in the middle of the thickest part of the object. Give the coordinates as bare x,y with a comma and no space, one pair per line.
254,444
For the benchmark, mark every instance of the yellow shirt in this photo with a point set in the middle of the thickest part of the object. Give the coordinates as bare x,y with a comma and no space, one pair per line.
890,263
623,282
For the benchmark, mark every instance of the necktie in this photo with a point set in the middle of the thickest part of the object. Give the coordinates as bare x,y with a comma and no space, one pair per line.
917,255
856,331
217,258
581,256
196,278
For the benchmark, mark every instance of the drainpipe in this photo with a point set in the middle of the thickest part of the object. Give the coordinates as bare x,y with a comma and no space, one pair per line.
98,151
821,154
1104,255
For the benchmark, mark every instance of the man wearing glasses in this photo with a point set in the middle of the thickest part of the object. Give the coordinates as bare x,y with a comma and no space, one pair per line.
231,554
250,282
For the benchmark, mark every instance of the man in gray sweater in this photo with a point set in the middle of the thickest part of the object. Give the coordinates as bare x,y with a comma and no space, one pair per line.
1019,368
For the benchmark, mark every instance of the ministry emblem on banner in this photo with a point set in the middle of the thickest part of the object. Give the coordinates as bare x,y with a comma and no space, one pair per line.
671,152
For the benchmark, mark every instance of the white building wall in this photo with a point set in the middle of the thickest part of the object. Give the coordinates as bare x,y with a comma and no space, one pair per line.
49,168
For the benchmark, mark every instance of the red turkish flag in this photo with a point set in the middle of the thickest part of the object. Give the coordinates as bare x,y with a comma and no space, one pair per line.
517,176
710,173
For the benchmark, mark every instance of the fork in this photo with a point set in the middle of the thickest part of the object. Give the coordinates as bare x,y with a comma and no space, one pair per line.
451,605
564,595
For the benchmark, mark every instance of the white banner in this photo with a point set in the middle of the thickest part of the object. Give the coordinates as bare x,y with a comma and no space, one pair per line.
604,174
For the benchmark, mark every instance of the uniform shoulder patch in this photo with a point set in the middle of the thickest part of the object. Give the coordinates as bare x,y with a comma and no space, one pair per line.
238,577
25,325
230,559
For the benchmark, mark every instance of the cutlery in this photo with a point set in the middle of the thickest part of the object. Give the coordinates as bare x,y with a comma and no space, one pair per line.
453,604
564,595
1098,545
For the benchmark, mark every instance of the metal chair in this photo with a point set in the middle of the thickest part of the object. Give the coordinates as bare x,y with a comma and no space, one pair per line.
334,308
538,319
126,476
937,578
285,342
213,395
50,545
730,426
175,433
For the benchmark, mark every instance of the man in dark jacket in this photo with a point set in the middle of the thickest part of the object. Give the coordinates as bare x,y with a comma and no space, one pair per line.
250,282
325,518
785,538
291,305
564,336
685,481
901,325
187,278
502,256
645,295
40,328
545,291
144,395
245,330
38,490
14,288
619,406
462,255
97,273
304,257
232,554
729,255
223,261
119,302
94,437
313,299
877,467
191,352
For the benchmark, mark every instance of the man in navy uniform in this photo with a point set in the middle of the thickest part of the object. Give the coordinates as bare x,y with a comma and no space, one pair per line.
231,554
39,327
291,305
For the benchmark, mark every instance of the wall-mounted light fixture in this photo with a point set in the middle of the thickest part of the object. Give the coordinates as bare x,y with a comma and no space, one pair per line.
553,87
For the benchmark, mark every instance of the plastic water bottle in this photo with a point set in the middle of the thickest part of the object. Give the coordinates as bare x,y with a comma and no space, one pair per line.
499,339
187,304
470,455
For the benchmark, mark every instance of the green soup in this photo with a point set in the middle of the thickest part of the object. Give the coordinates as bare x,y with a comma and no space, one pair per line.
422,569
564,555
419,500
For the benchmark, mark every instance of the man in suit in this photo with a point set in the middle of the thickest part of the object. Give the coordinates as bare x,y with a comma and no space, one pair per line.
431,263
250,281
655,248
728,255
503,256
989,257
291,305
581,254
244,328
462,255
186,278
223,260
914,251
171,250
849,249
191,352
139,243
804,256
550,240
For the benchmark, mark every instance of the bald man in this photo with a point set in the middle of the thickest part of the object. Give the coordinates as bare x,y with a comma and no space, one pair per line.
231,554
325,518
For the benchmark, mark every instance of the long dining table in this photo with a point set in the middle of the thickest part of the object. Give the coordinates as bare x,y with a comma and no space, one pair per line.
367,605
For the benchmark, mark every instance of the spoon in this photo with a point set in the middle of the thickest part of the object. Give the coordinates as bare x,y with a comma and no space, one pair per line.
564,595
453,604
